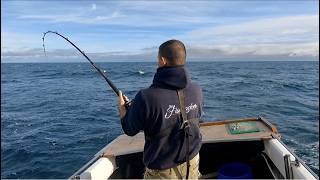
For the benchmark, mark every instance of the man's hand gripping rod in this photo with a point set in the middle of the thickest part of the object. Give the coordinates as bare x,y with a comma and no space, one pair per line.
114,88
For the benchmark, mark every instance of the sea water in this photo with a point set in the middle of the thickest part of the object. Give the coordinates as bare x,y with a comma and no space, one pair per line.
56,116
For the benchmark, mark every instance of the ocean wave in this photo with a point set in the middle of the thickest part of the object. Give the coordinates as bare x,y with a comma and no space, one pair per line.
73,115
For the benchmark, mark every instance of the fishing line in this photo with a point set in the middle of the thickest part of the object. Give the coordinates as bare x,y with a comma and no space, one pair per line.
113,87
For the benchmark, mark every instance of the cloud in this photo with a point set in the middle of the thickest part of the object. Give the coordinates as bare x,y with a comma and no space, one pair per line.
114,18
304,28
126,13
93,6
210,29
78,18
14,41
307,51
289,36
303,50
154,13
72,55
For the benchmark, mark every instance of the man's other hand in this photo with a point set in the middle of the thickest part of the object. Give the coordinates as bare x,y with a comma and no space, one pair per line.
121,104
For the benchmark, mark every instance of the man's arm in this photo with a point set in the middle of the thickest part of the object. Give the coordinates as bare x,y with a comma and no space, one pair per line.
132,119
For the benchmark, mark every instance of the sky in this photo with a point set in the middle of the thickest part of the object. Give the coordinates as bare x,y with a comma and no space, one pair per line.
133,30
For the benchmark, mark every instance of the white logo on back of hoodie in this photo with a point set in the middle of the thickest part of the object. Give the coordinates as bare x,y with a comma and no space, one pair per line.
172,109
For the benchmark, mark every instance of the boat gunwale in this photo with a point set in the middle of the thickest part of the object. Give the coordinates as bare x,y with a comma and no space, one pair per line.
274,134
101,153
296,157
221,122
95,158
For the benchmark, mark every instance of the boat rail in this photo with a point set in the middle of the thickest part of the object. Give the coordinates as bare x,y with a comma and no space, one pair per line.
297,161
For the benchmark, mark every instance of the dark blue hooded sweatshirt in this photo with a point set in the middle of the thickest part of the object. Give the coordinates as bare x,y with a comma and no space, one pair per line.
156,111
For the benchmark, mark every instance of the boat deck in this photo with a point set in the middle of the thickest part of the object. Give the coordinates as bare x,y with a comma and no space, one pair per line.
216,131
253,141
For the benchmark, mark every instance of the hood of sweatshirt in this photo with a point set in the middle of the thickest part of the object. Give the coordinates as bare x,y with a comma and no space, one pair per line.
176,77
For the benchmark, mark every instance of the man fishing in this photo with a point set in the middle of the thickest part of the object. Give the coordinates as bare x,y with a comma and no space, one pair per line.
168,112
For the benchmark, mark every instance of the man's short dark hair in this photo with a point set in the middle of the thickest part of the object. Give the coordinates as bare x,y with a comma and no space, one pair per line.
174,51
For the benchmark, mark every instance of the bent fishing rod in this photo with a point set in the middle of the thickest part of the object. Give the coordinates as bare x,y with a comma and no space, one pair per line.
114,88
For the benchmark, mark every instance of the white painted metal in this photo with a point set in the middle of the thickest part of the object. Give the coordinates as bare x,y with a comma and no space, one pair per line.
101,169
276,152
104,167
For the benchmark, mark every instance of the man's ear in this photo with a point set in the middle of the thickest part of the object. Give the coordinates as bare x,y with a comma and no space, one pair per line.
163,61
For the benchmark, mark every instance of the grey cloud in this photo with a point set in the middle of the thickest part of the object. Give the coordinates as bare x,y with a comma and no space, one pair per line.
71,55
150,54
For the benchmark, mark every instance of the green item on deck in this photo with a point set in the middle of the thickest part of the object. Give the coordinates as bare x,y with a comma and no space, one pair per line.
243,127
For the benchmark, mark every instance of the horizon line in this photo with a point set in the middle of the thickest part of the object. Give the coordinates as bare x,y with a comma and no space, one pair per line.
194,61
